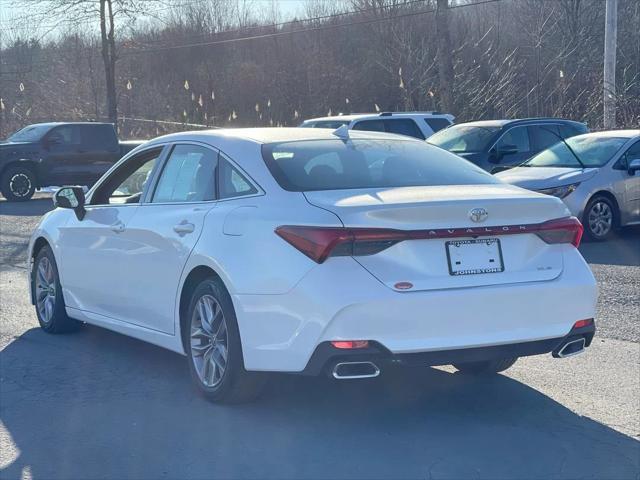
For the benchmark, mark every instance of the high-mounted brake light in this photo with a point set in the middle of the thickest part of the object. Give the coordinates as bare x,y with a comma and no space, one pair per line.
319,243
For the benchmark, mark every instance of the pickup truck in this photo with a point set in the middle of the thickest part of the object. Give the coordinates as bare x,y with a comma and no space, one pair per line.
47,154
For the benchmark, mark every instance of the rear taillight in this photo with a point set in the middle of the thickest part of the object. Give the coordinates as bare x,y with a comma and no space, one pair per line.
318,243
561,230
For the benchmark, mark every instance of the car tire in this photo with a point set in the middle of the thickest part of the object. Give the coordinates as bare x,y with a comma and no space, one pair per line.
18,184
47,294
600,218
213,347
487,367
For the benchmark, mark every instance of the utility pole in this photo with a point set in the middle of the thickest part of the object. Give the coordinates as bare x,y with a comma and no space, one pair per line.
610,42
444,54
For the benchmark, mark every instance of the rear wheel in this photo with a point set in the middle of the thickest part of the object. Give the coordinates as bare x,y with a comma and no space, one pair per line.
18,184
489,366
214,349
599,218
47,292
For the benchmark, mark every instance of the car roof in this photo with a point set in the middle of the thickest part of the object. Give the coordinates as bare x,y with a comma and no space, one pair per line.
628,133
273,135
359,116
55,124
518,121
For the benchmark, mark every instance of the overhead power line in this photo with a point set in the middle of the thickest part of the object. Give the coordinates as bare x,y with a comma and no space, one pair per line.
302,30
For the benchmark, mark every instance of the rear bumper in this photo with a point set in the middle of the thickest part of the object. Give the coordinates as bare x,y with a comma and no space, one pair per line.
340,300
326,355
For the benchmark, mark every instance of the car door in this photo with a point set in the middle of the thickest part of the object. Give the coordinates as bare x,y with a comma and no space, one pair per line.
543,136
63,155
165,228
627,187
96,251
513,147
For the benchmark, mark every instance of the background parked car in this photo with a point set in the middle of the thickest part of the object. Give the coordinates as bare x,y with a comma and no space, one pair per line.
46,154
595,174
413,124
493,143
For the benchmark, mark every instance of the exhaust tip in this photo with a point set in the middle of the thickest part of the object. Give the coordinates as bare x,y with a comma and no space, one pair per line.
355,370
572,348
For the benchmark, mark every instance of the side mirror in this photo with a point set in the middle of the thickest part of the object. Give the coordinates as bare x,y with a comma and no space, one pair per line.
634,166
71,197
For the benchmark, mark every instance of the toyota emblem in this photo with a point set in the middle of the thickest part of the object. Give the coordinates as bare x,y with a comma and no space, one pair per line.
478,215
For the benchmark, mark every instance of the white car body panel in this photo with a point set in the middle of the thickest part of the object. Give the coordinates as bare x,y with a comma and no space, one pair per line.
286,304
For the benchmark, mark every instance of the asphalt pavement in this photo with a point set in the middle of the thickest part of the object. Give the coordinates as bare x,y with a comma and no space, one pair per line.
95,404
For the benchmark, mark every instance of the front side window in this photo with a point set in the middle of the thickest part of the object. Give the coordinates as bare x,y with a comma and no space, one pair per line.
188,175
464,138
336,165
633,153
517,137
370,126
65,135
437,124
333,124
127,184
582,151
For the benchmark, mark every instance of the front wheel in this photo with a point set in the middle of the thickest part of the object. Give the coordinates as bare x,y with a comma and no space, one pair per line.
214,349
47,293
487,367
599,218
18,184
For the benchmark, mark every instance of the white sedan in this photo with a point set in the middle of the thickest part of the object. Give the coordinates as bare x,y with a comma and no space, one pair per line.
310,251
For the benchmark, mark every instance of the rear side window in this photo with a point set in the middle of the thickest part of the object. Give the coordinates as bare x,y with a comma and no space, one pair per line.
437,124
543,136
337,165
188,175
98,137
571,130
231,183
403,126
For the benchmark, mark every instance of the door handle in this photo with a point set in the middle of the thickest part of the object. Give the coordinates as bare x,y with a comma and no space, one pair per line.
184,227
118,227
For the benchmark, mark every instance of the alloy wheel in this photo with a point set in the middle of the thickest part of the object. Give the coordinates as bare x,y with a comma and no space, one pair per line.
600,219
209,341
20,185
45,290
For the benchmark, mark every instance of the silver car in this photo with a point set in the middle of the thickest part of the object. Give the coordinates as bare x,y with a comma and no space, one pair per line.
595,174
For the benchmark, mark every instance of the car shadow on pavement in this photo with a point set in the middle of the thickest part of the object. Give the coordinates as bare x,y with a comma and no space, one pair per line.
100,405
622,249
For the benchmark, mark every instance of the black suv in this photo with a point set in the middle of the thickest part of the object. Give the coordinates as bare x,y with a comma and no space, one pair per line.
47,154
500,144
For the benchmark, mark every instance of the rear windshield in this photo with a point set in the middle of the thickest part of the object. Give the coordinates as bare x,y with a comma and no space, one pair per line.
337,165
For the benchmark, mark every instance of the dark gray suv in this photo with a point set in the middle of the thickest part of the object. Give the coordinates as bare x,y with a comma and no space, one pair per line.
504,143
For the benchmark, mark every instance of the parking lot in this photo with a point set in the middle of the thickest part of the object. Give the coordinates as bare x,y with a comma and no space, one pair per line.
99,405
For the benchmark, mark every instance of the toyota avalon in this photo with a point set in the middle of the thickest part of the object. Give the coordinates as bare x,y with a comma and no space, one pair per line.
313,251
